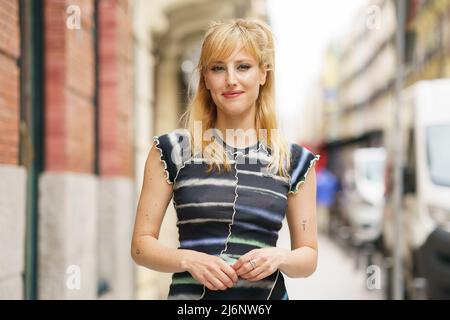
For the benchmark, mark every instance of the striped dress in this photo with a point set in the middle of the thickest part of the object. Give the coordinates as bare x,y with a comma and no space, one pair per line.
228,214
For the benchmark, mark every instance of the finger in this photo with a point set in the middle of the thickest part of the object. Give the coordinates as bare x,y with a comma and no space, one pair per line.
246,268
243,259
260,276
253,273
210,286
224,278
230,272
237,264
217,283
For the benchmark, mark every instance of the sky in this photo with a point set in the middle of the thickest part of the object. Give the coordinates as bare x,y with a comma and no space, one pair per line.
302,30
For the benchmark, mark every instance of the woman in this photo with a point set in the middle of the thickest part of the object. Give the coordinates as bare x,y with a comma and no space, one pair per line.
230,194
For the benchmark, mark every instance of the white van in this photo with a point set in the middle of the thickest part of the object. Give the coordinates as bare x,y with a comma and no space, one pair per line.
426,196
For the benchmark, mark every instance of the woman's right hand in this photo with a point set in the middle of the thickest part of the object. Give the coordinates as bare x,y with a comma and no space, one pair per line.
211,271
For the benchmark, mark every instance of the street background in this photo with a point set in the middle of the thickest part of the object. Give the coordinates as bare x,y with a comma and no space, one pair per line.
86,84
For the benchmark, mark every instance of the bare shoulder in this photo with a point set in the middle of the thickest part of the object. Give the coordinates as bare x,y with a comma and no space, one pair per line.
155,167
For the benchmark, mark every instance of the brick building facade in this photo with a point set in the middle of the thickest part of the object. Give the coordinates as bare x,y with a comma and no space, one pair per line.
83,85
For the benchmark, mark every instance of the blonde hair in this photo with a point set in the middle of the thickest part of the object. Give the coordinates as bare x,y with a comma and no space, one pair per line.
220,41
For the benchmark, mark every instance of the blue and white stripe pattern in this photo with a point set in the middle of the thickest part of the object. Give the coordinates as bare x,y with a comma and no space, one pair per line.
228,214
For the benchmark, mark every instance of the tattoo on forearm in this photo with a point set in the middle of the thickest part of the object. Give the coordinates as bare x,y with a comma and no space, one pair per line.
304,225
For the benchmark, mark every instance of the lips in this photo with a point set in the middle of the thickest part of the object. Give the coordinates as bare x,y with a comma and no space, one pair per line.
232,94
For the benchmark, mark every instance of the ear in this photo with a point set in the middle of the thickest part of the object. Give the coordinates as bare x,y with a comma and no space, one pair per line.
263,76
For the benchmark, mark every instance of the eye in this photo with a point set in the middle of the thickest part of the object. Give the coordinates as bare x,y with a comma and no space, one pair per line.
216,68
244,66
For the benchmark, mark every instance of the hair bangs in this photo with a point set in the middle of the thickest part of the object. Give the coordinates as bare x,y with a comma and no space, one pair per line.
223,44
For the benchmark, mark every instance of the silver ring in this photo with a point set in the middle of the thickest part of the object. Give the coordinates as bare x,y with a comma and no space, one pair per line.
253,263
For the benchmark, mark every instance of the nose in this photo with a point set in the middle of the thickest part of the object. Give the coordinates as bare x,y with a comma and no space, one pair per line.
231,78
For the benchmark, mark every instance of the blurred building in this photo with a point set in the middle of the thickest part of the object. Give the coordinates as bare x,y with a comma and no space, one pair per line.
84,85
12,176
67,152
322,101
357,80
357,111
428,40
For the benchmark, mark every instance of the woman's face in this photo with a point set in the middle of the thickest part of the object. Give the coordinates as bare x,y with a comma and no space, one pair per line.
239,74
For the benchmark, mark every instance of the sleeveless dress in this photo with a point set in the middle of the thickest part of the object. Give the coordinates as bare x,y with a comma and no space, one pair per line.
228,214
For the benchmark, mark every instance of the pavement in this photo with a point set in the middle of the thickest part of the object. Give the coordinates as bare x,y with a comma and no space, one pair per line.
336,276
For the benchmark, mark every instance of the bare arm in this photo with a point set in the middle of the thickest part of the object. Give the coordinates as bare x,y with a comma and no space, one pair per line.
148,252
155,197
301,218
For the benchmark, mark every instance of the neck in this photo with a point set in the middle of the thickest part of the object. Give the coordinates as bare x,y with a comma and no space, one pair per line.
243,122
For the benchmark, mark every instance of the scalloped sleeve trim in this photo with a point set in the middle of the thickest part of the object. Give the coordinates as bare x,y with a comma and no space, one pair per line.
162,159
312,162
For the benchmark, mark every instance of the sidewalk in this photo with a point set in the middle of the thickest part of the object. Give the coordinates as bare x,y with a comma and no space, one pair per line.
335,277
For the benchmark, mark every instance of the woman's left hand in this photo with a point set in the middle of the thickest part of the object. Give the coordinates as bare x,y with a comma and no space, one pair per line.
260,263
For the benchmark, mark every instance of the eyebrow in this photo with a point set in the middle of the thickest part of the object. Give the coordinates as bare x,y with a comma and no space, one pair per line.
238,61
